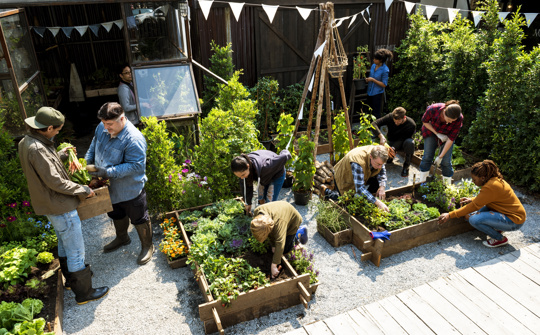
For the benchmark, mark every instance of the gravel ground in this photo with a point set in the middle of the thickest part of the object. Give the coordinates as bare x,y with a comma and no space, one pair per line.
154,299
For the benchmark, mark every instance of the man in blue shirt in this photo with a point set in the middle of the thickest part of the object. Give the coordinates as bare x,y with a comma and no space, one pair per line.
118,151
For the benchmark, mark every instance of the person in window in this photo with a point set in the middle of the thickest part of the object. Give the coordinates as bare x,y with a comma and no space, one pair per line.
495,209
378,80
126,95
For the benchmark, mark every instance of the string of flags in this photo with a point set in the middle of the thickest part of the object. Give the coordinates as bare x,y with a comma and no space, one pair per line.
81,29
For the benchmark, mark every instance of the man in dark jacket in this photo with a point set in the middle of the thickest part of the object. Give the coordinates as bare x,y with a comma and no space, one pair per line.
400,132
53,194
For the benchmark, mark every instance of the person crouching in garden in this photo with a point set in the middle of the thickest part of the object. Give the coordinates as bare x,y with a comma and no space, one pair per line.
280,222
54,195
118,151
265,167
441,124
495,209
362,169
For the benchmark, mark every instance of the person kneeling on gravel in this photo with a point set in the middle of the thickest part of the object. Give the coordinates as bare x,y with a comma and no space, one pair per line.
118,151
280,222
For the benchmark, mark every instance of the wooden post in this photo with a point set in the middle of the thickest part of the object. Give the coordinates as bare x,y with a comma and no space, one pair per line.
329,117
314,96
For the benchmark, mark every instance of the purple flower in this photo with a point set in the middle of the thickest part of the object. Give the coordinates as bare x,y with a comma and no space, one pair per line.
170,178
197,176
316,272
26,204
179,176
187,161
236,243
11,218
13,205
185,171
183,191
194,224
3,225
205,178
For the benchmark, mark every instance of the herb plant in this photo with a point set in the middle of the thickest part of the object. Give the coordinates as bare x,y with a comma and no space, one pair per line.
340,138
329,216
304,167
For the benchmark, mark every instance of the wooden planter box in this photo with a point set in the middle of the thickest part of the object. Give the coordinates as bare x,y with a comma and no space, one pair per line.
253,304
404,238
458,174
97,205
335,239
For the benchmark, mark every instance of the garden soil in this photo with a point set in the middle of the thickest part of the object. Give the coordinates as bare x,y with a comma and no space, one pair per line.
154,299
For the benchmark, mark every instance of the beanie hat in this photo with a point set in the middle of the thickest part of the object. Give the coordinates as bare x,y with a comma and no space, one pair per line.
45,117
261,226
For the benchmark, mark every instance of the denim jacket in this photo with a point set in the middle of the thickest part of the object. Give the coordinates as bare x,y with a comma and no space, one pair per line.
381,75
124,158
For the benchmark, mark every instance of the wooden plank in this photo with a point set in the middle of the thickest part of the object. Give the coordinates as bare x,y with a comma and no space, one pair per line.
59,305
462,302
531,271
384,320
404,316
364,322
298,331
498,315
501,298
453,315
342,324
318,328
528,257
533,248
425,312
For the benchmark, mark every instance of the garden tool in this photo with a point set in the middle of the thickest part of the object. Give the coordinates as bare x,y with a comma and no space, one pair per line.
122,238
81,283
147,247
383,235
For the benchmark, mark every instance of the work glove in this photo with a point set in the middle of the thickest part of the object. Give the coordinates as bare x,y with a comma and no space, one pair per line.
437,161
442,137
383,235
100,172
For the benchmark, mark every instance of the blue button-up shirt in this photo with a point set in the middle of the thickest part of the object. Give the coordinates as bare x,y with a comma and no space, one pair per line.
124,158
381,75
360,186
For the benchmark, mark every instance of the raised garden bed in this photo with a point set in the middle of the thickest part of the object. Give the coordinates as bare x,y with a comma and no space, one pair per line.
404,238
336,239
292,290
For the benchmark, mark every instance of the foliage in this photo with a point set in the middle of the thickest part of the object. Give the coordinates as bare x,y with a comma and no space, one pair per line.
329,216
265,93
76,167
45,257
15,264
258,247
364,133
226,132
361,63
221,63
446,197
285,130
292,96
302,261
304,166
18,319
418,140
340,138
359,206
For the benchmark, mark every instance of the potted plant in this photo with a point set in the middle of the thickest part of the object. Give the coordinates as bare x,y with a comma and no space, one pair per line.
304,171
361,67
285,129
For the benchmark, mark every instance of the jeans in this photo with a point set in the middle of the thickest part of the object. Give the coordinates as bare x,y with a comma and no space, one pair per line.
489,222
406,145
430,145
376,103
277,185
70,239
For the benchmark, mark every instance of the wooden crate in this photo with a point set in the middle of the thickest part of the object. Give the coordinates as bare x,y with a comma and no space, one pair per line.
404,238
94,206
458,174
335,239
254,303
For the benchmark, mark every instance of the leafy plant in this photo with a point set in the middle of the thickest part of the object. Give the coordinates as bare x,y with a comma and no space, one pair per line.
15,265
340,138
285,130
364,133
361,64
12,313
302,261
221,63
446,197
329,216
266,94
304,167
45,257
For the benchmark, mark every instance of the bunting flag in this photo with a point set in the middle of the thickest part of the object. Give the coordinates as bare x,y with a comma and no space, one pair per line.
270,11
388,3
54,30
205,7
430,10
364,16
304,12
107,26
301,114
409,6
529,17
503,15
311,83
338,22
477,15
67,31
94,28
452,13
119,23
319,50
40,31
81,29
352,20
236,7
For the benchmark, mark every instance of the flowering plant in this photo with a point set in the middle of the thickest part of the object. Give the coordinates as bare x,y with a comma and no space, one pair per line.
20,222
172,245
302,261
188,188
361,63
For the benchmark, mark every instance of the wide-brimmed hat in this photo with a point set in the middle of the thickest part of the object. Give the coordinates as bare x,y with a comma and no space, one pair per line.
261,226
45,117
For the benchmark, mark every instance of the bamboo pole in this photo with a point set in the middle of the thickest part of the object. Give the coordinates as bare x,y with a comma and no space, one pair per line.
329,116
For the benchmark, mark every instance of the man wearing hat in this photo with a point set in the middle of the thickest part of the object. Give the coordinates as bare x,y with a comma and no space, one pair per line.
118,151
280,222
53,194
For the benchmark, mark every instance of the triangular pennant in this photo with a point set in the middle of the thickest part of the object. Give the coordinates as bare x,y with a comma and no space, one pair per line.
205,7
40,30
54,30
311,83
352,20
452,13
477,15
270,11
529,17
81,29
94,28
107,25
409,6
430,10
67,31
388,3
301,114
338,22
364,16
304,12
119,23
319,50
503,15
237,9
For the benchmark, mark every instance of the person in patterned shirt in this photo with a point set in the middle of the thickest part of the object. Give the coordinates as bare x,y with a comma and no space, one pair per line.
441,124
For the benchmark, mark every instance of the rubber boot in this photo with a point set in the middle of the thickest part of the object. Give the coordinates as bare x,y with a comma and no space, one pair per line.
447,180
65,272
122,237
147,247
405,171
81,283
423,176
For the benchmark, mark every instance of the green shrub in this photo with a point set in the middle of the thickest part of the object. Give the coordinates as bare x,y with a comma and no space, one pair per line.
45,257
221,63
265,93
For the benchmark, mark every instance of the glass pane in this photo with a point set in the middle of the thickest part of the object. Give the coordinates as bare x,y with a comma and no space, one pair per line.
155,31
32,98
19,43
166,91
9,109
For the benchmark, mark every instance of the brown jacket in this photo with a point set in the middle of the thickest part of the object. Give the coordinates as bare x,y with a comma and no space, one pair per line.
287,220
343,172
51,190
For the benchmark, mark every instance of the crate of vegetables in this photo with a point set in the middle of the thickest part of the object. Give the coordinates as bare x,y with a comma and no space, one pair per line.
232,268
412,220
78,172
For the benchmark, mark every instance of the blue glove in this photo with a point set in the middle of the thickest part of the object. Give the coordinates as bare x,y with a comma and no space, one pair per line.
100,172
384,235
